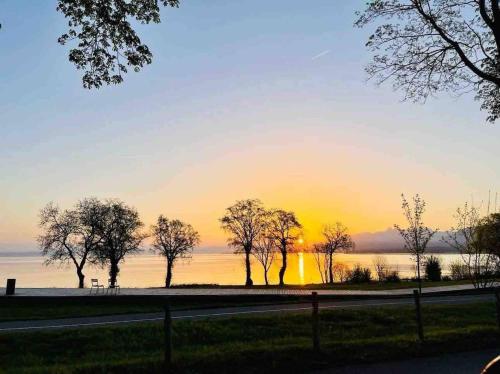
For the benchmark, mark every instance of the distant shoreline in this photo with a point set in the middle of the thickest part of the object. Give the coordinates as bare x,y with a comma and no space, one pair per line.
402,251
225,252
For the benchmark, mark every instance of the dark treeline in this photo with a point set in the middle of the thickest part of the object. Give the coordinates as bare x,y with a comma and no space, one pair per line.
104,233
261,232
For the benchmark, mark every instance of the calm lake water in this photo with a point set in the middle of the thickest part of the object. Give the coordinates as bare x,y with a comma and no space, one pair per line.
204,268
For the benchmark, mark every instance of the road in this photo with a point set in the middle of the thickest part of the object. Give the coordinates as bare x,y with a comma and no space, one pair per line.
35,325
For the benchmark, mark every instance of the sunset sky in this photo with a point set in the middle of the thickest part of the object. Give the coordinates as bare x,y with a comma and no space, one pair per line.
244,99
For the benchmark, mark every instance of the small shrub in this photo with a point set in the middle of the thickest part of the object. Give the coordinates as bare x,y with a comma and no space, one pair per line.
433,269
359,275
393,277
381,268
458,271
446,278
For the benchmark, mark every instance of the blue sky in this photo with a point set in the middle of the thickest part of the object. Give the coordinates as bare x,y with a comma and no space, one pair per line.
244,99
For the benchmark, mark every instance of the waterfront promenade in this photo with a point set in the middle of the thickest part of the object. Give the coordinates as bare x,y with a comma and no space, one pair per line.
227,291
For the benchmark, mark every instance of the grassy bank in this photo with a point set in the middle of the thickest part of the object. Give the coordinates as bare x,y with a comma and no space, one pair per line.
279,342
24,308
16,309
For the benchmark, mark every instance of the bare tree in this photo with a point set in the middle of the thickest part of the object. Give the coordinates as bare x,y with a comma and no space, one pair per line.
121,235
321,260
427,46
264,251
244,221
58,241
285,231
173,239
336,238
324,262
71,235
381,267
417,235
464,237
340,271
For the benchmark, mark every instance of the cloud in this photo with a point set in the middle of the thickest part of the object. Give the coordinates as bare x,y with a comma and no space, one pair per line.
319,55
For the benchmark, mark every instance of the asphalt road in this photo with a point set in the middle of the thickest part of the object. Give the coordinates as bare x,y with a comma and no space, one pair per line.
35,325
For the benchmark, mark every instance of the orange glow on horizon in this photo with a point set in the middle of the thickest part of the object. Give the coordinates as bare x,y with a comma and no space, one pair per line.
316,186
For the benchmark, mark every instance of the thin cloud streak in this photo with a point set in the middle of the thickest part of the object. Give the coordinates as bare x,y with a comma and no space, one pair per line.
319,55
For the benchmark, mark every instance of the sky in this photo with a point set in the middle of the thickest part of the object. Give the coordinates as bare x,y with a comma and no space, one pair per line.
244,99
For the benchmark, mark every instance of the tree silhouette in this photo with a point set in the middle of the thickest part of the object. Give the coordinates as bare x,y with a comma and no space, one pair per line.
489,233
120,235
427,46
336,238
321,260
381,268
173,239
71,235
285,231
465,237
264,250
416,236
107,44
244,221
488,238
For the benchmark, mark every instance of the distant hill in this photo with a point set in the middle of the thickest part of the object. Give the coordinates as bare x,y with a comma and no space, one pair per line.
390,241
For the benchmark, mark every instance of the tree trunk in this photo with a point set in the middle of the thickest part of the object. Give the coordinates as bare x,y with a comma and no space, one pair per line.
113,273
330,268
168,279
283,268
418,275
81,278
248,281
265,277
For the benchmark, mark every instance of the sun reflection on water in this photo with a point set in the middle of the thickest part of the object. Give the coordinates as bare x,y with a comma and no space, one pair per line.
301,268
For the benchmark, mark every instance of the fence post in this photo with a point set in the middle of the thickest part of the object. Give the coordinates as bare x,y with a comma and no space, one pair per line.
497,303
168,337
315,322
420,328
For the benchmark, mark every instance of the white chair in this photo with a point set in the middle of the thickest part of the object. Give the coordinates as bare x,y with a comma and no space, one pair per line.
115,288
95,285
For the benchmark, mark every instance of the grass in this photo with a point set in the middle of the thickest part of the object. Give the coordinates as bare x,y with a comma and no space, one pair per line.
16,309
272,343
25,308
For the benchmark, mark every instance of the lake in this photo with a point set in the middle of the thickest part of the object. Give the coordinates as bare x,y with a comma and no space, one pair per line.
222,268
